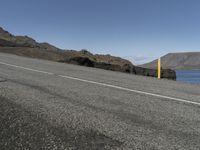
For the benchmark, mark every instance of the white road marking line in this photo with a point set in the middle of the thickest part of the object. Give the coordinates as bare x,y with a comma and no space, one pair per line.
131,90
107,85
26,68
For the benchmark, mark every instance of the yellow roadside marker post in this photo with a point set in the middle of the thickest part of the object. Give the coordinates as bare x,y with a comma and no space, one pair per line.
159,69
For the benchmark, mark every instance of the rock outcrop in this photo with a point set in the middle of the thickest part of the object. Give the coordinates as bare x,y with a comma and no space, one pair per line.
165,73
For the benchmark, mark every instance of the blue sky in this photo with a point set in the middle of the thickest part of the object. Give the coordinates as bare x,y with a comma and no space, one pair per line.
139,30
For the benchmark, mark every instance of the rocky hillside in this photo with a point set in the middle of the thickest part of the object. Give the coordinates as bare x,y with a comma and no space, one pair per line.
177,61
9,40
26,46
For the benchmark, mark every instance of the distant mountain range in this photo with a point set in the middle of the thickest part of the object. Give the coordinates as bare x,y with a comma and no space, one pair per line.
26,46
177,61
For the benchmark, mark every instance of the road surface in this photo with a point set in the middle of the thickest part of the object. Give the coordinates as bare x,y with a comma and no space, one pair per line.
49,105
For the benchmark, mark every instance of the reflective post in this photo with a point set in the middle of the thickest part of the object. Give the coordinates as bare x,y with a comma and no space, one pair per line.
159,68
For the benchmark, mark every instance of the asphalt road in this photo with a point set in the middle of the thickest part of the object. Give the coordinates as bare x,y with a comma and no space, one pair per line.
49,105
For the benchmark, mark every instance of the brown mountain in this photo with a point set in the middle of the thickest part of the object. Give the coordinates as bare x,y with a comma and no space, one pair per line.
7,39
177,61
26,46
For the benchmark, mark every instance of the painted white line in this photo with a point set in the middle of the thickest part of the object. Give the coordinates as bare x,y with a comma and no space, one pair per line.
107,85
131,90
29,69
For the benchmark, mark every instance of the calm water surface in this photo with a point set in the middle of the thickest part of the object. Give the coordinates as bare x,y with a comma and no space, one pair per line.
188,76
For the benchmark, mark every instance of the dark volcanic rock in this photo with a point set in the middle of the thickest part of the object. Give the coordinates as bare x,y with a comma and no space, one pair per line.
145,72
165,73
126,68
168,73
83,61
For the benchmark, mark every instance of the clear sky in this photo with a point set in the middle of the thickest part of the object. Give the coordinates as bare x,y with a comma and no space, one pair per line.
139,30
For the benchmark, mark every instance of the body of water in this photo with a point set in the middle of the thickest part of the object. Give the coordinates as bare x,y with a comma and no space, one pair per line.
188,76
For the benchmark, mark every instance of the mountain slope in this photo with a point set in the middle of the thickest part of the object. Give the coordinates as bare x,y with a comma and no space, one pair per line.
25,45
189,60
28,47
7,39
